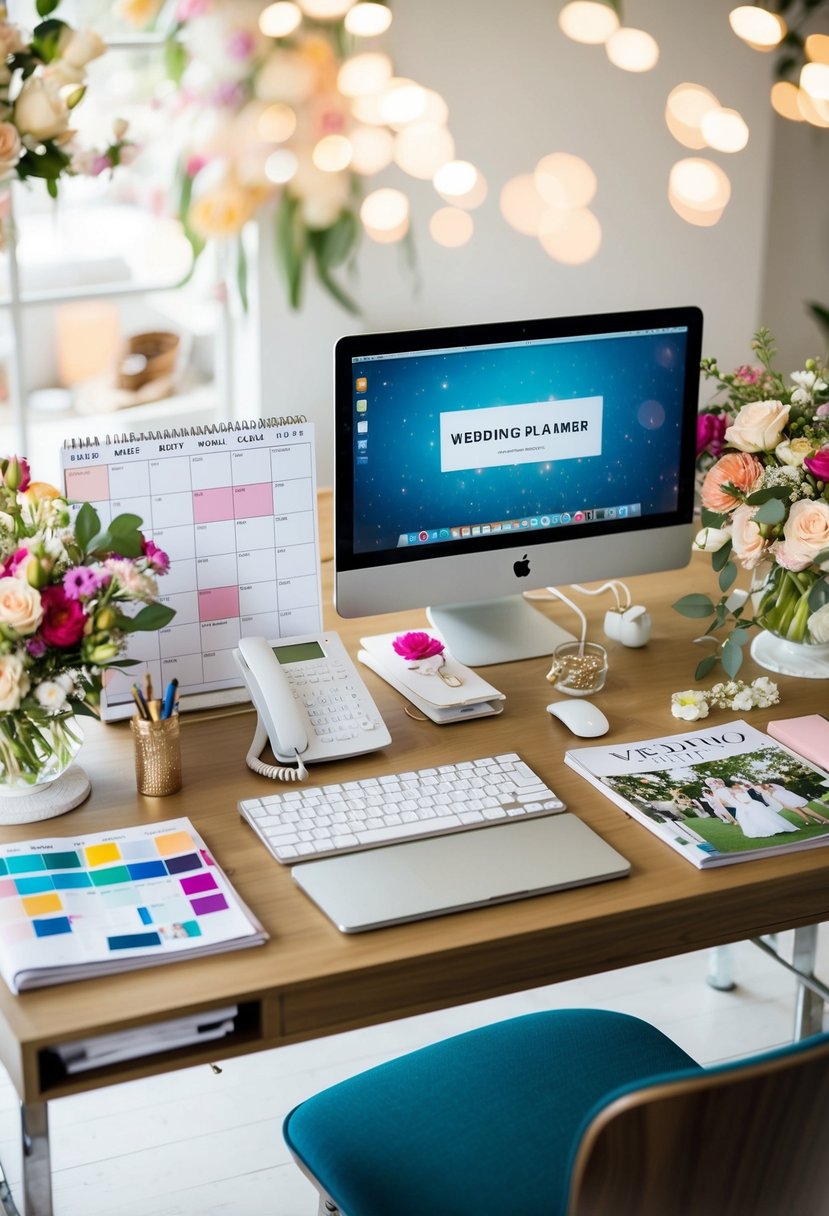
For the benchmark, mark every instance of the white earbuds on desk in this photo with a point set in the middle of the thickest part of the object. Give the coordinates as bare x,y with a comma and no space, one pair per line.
631,627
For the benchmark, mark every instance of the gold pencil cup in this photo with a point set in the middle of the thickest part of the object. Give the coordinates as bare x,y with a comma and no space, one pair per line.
157,755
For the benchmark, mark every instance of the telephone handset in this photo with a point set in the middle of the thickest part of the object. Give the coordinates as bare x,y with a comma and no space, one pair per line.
311,703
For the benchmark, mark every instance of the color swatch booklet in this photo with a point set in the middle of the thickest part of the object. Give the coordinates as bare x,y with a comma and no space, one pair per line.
75,907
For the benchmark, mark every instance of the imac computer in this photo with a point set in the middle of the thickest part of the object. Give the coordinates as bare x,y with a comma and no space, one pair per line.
477,462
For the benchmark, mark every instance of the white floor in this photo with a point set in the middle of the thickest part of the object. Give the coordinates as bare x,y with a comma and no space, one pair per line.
195,1143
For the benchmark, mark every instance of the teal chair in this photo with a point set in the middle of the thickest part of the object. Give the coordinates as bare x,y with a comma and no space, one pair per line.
571,1113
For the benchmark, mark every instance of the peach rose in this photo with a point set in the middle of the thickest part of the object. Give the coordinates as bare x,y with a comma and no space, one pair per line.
758,427
747,541
739,470
14,682
805,534
20,606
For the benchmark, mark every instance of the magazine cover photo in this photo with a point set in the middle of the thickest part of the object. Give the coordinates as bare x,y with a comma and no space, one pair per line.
758,799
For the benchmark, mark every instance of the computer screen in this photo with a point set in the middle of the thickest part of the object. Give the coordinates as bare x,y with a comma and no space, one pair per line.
476,462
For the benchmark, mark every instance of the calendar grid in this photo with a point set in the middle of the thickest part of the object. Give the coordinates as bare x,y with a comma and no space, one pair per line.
235,510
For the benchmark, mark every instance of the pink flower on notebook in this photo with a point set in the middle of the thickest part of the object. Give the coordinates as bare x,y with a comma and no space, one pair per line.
416,646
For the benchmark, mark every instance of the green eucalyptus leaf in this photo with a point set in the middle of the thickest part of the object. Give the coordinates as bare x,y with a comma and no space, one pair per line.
740,636
694,605
771,512
720,557
731,658
712,519
727,576
769,492
291,239
704,666
45,7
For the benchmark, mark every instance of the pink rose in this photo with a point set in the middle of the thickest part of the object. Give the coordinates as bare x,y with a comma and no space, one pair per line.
805,534
63,618
758,427
818,465
417,645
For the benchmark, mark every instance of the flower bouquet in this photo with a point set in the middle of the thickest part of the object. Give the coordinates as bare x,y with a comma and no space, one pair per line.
69,596
765,508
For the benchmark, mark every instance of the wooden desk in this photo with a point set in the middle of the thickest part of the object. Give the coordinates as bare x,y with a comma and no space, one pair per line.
310,980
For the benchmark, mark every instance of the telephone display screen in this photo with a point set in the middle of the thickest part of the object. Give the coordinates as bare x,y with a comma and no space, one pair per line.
299,652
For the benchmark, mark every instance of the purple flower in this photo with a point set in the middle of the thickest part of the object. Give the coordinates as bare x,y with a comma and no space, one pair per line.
711,430
36,647
83,581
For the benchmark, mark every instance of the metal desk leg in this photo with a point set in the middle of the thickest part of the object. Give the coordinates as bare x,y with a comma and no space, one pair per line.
808,1014
37,1169
721,969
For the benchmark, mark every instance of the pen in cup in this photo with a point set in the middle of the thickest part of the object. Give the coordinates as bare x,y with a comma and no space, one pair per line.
170,699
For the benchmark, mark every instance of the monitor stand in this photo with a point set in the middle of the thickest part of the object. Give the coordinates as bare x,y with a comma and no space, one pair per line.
496,631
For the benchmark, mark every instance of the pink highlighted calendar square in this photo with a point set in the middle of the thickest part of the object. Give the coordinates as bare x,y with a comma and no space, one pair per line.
209,506
87,485
218,603
251,500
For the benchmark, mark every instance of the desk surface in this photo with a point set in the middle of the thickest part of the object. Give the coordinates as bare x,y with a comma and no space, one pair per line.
310,980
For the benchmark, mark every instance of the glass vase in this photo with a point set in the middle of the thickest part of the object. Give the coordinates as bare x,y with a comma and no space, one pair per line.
785,645
35,749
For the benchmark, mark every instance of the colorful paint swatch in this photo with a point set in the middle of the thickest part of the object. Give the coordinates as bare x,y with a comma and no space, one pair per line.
145,916
62,861
39,905
102,854
179,865
34,885
68,882
138,850
4,869
102,878
8,887
174,842
209,903
140,870
26,864
129,941
52,927
197,883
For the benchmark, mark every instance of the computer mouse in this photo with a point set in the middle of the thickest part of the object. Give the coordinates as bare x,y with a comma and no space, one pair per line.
581,717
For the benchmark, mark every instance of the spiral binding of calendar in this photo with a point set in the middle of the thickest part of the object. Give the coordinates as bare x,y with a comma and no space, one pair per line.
209,428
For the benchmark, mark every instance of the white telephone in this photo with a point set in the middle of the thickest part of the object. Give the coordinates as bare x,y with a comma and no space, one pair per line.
311,702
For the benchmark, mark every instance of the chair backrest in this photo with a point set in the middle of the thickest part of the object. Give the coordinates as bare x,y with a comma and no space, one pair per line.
744,1140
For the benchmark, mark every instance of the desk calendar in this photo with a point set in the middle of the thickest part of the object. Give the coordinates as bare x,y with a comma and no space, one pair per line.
234,507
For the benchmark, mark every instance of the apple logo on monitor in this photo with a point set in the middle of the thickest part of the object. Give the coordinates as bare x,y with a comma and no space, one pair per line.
522,567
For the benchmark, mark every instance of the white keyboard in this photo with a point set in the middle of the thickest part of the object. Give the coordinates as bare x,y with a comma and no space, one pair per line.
323,821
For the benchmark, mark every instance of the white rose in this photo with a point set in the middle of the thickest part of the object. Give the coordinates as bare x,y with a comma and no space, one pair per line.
806,533
819,625
20,606
79,47
39,110
748,543
14,682
758,427
793,452
710,539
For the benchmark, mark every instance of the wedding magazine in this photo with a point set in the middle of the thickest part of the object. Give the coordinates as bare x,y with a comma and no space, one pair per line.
78,906
716,794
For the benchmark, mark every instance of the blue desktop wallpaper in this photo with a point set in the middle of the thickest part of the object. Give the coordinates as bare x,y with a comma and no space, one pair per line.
398,483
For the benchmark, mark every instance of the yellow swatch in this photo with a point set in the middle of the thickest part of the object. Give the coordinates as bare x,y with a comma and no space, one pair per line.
102,854
174,842
36,905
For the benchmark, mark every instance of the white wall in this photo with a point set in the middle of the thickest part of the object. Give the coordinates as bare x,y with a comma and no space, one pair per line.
516,93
